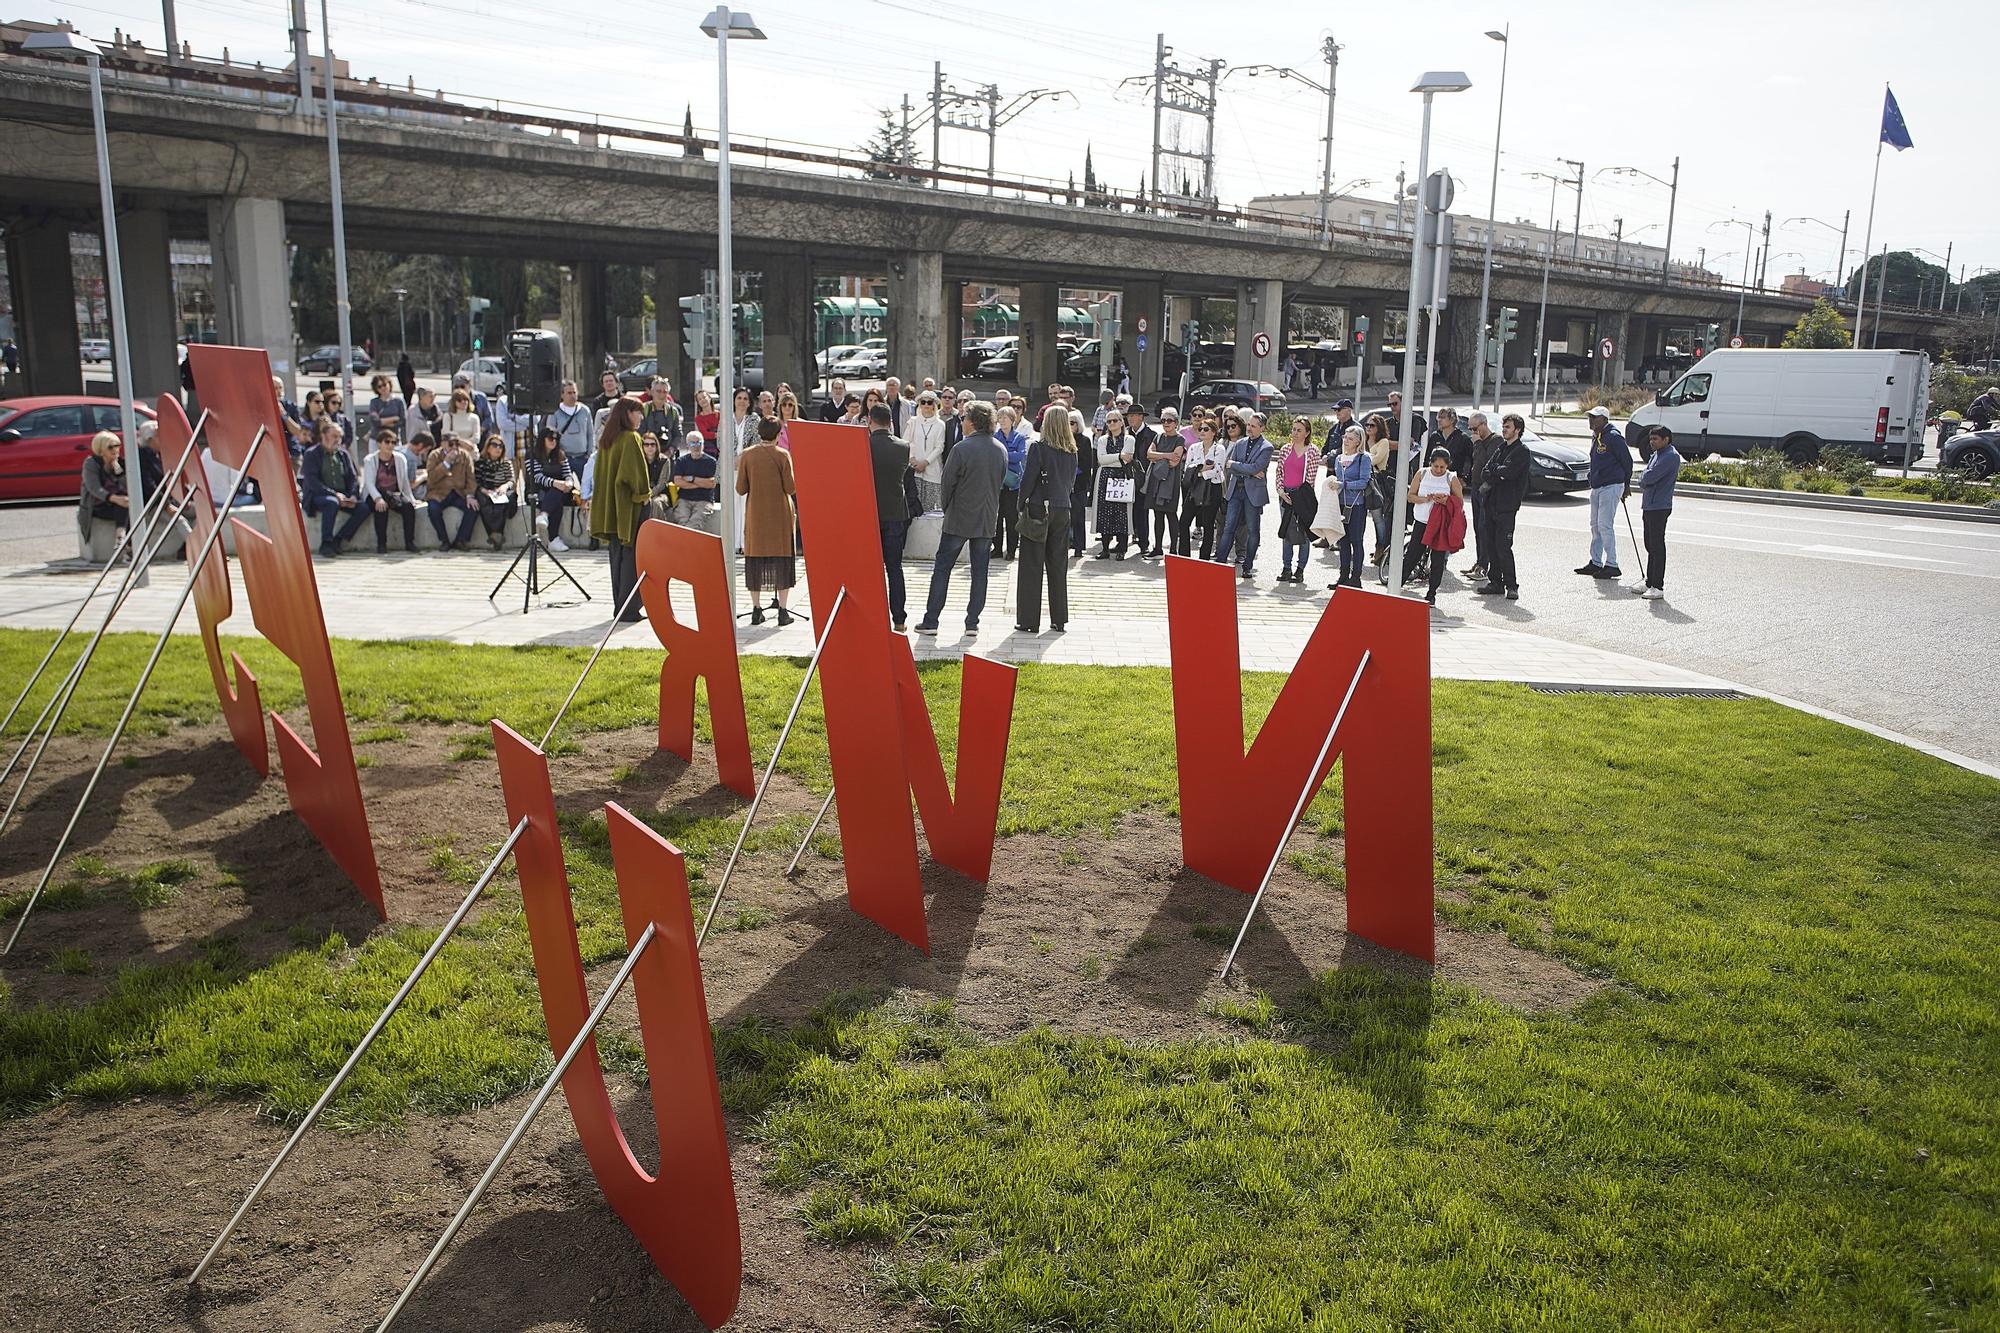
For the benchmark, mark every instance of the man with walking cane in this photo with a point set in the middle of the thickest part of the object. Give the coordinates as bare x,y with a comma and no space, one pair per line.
1610,479
1656,506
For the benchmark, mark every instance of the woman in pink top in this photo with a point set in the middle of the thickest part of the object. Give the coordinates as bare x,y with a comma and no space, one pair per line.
1298,469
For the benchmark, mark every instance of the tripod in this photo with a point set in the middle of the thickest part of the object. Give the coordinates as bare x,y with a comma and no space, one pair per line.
534,548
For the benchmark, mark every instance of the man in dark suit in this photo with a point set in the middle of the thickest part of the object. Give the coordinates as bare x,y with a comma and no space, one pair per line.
890,459
1246,484
973,476
1504,484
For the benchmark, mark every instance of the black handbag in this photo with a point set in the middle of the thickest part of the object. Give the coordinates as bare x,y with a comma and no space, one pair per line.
1033,524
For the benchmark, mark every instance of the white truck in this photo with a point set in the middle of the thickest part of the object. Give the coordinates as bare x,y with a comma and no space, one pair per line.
1737,399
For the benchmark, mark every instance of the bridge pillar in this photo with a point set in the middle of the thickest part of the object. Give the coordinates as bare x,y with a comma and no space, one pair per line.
672,279
148,267
1617,326
585,343
44,308
917,324
252,279
1040,362
788,324
1260,308
1458,346
1148,301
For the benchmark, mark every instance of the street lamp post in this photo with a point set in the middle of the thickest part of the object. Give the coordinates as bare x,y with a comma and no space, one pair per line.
725,25
67,45
1331,50
1749,249
1503,36
1432,83
342,311
1673,200
1840,260
402,329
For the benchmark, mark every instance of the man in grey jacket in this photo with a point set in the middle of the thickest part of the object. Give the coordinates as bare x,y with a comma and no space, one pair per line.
973,475
1245,483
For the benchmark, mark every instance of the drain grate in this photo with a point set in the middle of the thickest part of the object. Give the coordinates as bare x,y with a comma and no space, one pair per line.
1651,691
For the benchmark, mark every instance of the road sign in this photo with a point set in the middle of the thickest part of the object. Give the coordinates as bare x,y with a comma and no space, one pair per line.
1260,346
1737,341
1607,349
1142,341
1140,323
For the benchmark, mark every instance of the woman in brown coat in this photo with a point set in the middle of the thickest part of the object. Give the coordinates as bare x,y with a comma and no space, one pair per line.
764,474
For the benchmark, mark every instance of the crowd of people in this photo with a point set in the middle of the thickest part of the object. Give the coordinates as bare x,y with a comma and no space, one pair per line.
1008,478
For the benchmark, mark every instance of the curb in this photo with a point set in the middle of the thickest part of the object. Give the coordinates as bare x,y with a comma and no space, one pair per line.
1850,503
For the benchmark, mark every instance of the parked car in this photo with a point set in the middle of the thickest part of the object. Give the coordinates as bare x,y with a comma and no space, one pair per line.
1082,359
1259,395
638,377
43,442
1974,453
95,349
1555,467
1002,365
829,357
326,361
975,350
753,371
866,364
488,372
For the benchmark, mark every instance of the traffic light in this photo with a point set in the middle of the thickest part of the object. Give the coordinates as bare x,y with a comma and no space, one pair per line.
694,327
1510,323
476,308
1360,330
1714,338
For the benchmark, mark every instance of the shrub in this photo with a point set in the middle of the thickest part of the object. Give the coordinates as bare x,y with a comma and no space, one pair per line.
1844,464
1619,402
1946,485
1765,468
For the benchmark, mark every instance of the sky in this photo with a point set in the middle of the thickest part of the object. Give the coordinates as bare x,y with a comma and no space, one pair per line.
1770,105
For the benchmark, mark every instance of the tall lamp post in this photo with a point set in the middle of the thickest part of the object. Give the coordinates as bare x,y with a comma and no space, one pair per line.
402,329
66,45
1432,83
726,26
1331,50
1840,260
1749,249
1503,37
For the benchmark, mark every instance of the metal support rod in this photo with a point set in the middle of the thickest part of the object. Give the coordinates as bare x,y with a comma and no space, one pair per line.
114,282
1305,798
599,652
52,711
534,1109
145,517
776,751
806,841
423,965
132,704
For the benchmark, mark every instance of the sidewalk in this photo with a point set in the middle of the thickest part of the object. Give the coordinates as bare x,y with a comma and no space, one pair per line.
1118,617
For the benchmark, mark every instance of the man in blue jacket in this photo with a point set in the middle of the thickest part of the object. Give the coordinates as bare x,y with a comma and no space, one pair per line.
1610,480
1656,506
1245,482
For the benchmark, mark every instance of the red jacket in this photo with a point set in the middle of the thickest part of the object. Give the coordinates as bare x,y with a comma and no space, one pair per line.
1445,529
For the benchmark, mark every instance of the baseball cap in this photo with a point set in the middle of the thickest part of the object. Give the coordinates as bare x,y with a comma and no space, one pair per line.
1599,412
1347,403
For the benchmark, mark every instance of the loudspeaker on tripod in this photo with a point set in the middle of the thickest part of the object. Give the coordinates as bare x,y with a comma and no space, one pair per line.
534,371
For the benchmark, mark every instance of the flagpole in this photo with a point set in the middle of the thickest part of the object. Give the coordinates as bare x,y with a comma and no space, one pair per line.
1867,244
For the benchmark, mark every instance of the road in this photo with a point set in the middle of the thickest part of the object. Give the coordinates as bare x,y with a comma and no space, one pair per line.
1889,619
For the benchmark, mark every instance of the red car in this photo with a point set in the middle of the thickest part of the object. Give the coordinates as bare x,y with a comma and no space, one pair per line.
43,442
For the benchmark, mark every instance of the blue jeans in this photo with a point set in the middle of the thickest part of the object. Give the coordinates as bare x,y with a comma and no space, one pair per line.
1241,510
1604,525
466,518
1354,542
894,531
329,511
947,556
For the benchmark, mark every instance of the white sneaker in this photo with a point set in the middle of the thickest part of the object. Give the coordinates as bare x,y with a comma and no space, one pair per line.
1638,586
1653,594
558,544
541,523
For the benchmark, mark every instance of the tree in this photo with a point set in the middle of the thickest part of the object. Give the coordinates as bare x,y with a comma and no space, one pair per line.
1900,276
690,146
1821,326
891,147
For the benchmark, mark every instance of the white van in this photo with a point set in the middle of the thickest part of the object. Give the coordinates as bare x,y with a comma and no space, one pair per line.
1737,399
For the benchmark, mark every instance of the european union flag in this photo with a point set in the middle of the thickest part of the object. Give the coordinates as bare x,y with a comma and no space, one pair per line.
1894,132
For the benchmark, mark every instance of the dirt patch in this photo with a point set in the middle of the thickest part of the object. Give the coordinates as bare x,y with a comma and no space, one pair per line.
112,1204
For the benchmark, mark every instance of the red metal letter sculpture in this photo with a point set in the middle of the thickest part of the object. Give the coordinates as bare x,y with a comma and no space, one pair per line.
668,552
242,708
1234,807
685,1216
325,788
859,683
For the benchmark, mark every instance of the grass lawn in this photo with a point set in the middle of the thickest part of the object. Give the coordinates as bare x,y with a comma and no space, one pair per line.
1784,1113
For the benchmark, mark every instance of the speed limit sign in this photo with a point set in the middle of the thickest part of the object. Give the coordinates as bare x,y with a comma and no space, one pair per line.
1141,323
1261,345
1737,341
